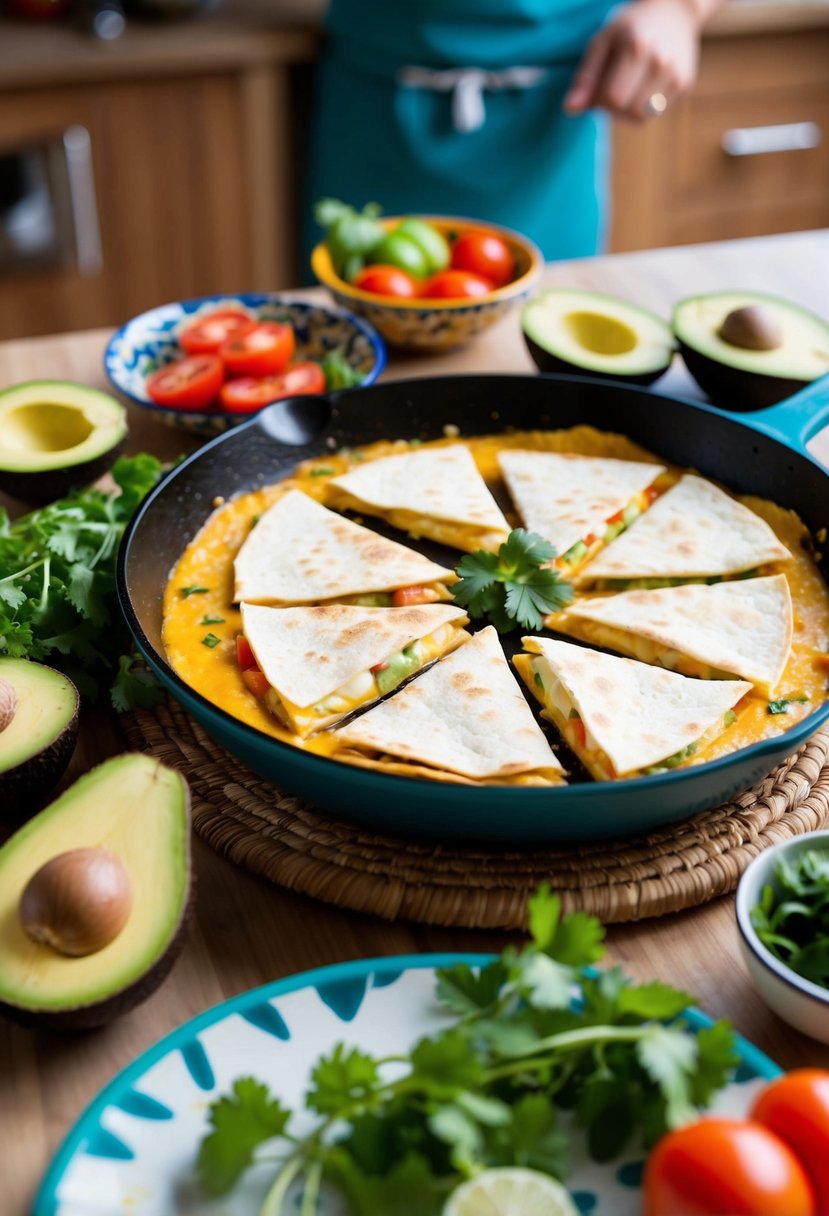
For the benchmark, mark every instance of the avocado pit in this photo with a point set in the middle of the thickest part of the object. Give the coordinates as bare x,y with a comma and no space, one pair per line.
78,902
753,327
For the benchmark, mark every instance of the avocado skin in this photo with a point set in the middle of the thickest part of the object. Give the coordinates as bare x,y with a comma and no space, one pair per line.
733,388
23,788
49,484
546,361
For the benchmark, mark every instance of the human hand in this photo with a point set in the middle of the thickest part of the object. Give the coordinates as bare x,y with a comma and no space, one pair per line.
648,47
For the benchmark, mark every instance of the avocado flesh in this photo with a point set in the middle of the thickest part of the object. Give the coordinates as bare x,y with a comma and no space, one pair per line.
54,434
37,745
138,809
588,333
737,378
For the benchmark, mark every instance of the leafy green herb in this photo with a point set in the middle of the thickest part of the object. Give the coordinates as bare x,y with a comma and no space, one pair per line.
396,1134
513,587
792,917
57,584
351,235
782,706
212,620
186,592
322,470
135,686
210,640
339,373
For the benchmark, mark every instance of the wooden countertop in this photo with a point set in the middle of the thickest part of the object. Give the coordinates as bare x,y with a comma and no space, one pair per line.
248,932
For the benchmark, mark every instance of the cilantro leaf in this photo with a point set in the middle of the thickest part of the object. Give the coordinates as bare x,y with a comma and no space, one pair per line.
669,1056
135,687
513,587
240,1123
341,1078
465,991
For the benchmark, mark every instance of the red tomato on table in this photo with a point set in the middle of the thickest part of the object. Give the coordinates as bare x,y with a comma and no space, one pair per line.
209,332
726,1167
263,350
385,280
796,1108
247,395
187,384
485,254
455,285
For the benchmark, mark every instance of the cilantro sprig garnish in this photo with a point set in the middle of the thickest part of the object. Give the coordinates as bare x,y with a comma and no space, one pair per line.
57,584
396,1134
514,586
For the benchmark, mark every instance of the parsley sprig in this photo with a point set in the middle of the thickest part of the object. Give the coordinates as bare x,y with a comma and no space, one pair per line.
513,586
57,584
396,1134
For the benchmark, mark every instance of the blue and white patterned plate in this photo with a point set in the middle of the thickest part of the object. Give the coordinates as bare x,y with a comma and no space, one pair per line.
149,341
132,1152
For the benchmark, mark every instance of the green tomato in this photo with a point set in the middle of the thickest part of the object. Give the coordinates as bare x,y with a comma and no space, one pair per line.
432,242
397,249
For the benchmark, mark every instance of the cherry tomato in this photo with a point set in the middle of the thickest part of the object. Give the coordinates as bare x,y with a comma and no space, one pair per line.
485,254
796,1108
456,285
187,384
264,350
208,333
249,394
726,1167
385,280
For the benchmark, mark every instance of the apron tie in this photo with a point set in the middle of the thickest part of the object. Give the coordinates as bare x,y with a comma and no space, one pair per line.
467,86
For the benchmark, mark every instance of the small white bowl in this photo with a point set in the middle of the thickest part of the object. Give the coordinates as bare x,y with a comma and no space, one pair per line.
796,1000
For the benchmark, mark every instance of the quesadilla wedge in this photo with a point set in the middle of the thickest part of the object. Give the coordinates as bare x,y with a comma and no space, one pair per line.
715,632
623,718
434,492
579,503
299,552
695,530
464,720
312,666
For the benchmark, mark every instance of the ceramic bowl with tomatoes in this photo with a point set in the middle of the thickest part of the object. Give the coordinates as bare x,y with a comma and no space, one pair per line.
205,365
490,270
795,999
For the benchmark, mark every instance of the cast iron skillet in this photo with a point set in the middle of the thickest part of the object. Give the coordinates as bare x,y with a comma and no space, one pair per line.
762,454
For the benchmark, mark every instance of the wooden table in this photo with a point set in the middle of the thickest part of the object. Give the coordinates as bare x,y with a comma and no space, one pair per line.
248,932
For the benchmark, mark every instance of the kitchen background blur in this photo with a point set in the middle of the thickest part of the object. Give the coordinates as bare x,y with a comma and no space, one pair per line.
159,157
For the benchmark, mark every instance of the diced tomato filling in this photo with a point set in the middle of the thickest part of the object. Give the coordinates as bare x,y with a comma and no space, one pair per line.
244,654
378,667
256,681
575,732
590,539
617,518
404,597
651,494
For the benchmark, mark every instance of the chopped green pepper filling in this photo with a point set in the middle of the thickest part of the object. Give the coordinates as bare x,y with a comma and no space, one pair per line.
398,667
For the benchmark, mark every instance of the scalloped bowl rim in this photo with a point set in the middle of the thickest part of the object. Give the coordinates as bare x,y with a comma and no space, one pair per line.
324,270
249,300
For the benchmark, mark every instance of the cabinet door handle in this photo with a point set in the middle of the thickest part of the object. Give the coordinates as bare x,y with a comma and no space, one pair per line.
780,137
77,149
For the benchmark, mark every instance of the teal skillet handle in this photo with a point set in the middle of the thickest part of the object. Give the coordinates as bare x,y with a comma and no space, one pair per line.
797,419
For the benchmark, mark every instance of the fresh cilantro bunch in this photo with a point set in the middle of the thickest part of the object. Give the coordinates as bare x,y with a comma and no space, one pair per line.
396,1135
792,916
57,584
514,586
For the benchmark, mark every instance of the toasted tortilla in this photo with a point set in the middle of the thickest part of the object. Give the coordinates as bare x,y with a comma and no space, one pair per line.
635,716
434,492
695,530
739,628
318,660
299,552
567,498
463,718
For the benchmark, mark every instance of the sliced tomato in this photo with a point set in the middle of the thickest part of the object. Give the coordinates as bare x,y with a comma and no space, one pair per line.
187,384
456,285
208,333
575,732
244,655
256,681
249,394
651,494
263,350
404,597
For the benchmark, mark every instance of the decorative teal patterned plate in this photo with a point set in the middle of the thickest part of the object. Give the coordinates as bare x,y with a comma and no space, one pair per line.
133,1150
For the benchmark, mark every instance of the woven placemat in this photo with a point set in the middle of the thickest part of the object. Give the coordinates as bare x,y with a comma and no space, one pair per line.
262,829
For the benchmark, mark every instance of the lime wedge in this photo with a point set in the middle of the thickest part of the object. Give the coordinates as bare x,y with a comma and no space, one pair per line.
510,1192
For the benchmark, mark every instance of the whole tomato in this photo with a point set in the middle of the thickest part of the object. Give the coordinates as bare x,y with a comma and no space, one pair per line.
796,1108
384,280
726,1167
456,285
485,254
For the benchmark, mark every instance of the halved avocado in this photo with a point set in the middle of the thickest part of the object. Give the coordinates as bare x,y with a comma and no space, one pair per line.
38,739
590,334
137,810
55,435
748,350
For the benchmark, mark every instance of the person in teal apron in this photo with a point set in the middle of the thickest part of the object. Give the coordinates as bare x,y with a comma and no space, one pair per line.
491,109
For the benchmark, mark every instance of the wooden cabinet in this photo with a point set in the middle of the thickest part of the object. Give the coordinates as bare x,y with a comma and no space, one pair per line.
680,179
